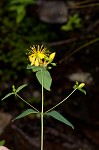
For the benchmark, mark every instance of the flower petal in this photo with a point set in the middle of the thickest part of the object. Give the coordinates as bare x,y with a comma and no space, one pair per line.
32,59
36,62
41,55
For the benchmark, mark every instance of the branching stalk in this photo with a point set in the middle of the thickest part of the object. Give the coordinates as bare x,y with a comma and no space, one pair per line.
27,103
61,101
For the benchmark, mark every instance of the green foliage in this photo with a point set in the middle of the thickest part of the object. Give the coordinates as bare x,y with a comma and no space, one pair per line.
47,80
79,87
20,7
25,113
15,91
42,72
2,142
73,22
14,41
59,117
9,94
20,88
35,68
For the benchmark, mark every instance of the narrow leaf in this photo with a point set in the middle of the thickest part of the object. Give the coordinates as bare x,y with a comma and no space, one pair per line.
20,88
25,113
83,91
7,95
75,87
47,80
59,117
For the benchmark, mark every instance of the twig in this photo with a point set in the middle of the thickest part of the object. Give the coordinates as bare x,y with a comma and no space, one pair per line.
62,42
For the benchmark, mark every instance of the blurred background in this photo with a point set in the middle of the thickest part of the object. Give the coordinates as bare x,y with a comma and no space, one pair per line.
71,29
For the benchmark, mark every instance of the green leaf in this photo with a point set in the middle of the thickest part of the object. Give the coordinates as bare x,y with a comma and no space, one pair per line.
83,91
7,95
20,13
67,27
38,68
47,80
75,87
35,68
20,88
2,142
25,113
59,117
22,2
77,83
29,66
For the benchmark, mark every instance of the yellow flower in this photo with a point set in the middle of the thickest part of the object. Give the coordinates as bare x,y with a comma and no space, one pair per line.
36,55
39,56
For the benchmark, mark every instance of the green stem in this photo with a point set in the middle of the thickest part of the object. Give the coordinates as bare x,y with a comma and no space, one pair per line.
26,102
42,114
61,101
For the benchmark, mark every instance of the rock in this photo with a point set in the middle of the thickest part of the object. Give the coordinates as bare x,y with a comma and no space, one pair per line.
5,119
81,77
53,11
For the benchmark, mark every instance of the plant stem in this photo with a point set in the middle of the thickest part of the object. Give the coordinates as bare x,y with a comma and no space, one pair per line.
26,102
61,101
42,114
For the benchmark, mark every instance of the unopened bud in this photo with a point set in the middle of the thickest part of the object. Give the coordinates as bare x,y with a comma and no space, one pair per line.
81,85
51,57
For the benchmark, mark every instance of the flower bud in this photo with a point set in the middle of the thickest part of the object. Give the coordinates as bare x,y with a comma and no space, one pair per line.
81,85
51,57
